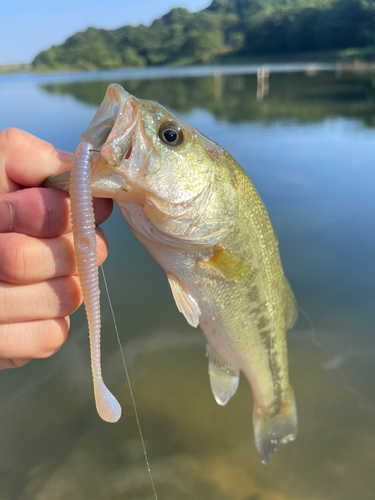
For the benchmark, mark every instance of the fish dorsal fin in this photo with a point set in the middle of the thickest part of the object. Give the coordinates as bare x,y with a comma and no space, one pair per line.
185,303
291,306
229,265
224,378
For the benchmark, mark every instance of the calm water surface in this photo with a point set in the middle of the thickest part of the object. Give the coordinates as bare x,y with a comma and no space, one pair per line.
309,148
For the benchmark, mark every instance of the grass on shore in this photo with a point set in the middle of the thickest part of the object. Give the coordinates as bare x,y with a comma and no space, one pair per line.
15,68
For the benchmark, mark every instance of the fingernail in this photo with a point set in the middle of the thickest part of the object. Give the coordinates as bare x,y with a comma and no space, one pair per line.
6,217
64,155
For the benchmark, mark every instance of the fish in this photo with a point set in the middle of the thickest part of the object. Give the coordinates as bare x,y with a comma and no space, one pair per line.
198,214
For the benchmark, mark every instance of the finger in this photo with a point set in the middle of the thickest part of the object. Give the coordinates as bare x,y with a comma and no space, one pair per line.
43,213
26,260
54,298
33,339
26,160
5,364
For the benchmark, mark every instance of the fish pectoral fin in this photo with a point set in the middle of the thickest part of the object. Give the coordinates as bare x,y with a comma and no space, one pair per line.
224,378
269,431
185,302
229,265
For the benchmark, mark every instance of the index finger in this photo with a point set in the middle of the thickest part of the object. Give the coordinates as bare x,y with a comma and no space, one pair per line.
27,161
43,213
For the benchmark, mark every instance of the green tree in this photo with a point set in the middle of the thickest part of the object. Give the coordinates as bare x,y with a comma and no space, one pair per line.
230,28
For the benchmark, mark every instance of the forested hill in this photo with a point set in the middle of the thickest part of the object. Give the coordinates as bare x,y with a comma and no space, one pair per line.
226,29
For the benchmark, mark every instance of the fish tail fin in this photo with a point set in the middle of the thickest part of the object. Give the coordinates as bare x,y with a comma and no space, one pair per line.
269,431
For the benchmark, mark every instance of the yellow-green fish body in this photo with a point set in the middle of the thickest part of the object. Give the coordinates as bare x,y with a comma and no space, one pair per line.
196,211
237,291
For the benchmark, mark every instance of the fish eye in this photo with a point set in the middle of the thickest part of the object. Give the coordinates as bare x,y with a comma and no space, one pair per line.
171,134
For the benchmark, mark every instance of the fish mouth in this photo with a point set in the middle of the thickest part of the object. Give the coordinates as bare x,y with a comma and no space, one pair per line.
114,133
112,129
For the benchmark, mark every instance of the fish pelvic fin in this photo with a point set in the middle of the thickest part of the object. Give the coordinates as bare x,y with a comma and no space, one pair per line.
185,303
224,378
270,430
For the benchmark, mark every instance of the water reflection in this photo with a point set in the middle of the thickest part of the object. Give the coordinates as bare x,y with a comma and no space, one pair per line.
309,147
302,97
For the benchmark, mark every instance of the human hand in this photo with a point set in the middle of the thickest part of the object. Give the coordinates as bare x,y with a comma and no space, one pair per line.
39,288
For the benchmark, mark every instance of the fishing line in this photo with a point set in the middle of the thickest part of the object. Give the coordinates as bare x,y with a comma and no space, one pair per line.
345,382
313,336
129,384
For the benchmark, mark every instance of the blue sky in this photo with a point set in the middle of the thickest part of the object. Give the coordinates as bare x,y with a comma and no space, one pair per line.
29,26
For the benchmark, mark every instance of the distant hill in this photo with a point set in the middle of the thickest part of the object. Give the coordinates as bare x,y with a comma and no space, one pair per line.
226,30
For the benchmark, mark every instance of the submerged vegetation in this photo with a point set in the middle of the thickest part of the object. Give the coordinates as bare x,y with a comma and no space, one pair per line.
227,30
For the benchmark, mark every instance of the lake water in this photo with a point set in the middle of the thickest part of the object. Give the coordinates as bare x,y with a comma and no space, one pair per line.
309,148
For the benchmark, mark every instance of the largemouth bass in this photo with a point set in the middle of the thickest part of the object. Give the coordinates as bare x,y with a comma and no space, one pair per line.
198,214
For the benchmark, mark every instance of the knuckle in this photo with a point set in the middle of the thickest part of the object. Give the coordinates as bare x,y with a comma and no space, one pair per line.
32,339
17,363
69,294
75,293
20,262
10,136
7,364
102,246
103,208
9,141
4,302
13,259
53,338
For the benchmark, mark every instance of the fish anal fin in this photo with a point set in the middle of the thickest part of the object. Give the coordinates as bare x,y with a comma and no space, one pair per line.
269,431
229,265
185,302
224,378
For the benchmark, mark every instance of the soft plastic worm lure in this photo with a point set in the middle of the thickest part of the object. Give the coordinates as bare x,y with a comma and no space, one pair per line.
83,222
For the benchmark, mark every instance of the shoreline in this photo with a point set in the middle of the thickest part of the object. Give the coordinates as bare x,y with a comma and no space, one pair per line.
345,60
